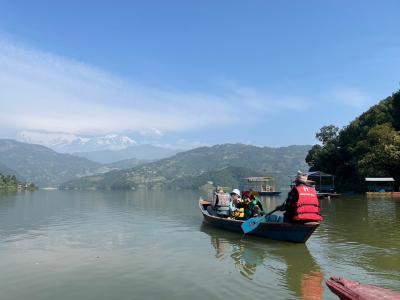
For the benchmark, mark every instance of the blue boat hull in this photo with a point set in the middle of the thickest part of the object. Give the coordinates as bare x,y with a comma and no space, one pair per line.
269,193
297,233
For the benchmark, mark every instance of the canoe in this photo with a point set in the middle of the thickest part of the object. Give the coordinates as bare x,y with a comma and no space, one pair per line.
297,233
347,289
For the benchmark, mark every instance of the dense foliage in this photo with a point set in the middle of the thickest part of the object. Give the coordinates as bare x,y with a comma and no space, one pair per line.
368,147
10,182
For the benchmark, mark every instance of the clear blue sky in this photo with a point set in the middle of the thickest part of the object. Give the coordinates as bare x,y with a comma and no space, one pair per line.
261,72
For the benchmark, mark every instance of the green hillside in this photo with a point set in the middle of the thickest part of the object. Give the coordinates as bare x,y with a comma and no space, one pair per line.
41,165
140,152
231,177
127,163
368,147
190,166
4,170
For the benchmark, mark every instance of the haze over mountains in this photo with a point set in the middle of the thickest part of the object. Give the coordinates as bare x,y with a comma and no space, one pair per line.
101,149
68,143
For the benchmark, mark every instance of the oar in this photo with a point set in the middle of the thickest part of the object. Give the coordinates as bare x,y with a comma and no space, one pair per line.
253,223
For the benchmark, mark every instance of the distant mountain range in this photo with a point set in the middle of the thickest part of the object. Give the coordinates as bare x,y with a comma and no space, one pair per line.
193,167
141,152
48,168
68,143
102,149
224,165
41,165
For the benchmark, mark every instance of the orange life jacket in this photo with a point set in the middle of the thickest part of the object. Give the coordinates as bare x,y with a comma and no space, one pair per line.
306,208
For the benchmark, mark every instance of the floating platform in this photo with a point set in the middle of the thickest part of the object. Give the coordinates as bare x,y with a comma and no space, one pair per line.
328,195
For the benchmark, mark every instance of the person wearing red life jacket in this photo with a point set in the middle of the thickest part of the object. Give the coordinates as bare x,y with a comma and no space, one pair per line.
302,204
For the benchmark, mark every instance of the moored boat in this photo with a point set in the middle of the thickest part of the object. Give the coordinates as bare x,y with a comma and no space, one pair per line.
347,289
297,233
263,186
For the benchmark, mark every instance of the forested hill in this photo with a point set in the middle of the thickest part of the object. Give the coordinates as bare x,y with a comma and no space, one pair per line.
4,170
368,147
41,165
189,169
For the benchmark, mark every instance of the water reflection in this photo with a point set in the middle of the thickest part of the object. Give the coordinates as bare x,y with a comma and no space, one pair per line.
296,267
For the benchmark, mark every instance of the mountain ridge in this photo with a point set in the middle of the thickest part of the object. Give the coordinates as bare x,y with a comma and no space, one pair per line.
41,165
68,142
140,151
279,162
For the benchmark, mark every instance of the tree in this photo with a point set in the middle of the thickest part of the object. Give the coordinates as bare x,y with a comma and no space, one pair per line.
368,146
396,110
327,134
382,152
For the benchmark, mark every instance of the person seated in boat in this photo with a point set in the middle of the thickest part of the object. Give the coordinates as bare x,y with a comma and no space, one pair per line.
252,206
302,204
220,204
236,205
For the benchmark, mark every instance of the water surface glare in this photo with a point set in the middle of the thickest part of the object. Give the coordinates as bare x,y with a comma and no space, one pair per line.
153,245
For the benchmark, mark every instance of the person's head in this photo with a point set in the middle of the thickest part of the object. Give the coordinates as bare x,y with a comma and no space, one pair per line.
301,178
220,189
235,194
247,196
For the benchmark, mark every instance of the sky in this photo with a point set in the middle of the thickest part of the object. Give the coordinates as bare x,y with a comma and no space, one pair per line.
191,73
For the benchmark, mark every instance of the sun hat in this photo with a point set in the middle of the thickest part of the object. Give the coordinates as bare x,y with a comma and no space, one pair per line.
235,191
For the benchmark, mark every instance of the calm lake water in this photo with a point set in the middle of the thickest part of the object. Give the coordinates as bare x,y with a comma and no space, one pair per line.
153,245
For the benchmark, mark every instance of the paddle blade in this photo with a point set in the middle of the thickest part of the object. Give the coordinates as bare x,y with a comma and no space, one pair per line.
251,224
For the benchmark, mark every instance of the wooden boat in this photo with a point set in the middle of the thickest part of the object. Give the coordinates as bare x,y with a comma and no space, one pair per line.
347,289
383,194
297,233
386,194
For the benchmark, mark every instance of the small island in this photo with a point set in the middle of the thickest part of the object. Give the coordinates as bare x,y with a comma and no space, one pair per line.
11,183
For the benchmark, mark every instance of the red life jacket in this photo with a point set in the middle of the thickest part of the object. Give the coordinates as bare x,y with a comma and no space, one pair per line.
306,208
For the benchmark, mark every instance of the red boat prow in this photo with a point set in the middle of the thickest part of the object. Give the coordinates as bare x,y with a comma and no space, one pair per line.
347,289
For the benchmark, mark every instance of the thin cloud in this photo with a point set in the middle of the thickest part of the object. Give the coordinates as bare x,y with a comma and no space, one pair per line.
352,97
42,91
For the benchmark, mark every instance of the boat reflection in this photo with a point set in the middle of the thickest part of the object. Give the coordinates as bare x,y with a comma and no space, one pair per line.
299,273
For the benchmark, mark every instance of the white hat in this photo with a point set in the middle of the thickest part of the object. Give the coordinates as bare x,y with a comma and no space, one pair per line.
236,191
301,177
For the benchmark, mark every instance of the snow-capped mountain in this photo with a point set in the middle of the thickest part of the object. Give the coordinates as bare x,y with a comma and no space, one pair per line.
68,143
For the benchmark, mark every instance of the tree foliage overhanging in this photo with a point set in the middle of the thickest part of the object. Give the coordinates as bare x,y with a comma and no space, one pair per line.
368,147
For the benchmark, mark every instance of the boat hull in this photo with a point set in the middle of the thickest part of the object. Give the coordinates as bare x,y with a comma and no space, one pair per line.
297,233
347,289
269,193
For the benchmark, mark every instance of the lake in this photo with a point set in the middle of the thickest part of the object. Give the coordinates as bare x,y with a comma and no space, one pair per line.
153,245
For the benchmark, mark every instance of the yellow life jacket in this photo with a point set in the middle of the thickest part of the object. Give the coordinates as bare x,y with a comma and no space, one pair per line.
239,213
